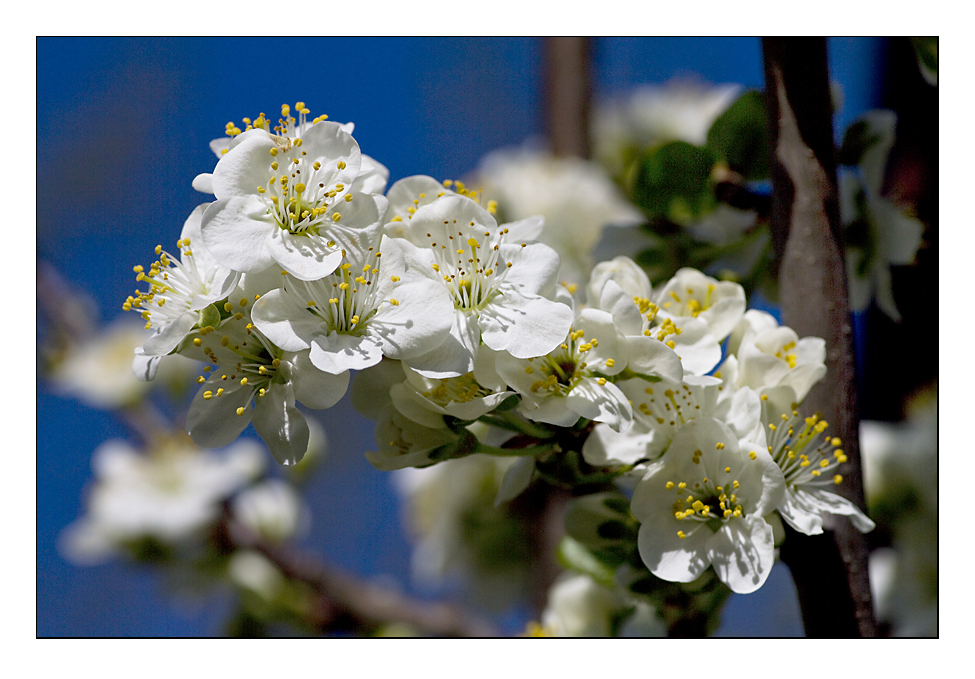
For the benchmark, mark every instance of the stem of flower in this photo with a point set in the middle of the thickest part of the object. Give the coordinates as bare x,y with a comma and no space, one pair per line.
516,424
514,452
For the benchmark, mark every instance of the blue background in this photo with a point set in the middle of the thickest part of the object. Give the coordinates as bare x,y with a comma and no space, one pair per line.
123,127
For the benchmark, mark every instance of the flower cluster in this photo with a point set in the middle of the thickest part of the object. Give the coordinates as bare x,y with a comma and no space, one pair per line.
303,270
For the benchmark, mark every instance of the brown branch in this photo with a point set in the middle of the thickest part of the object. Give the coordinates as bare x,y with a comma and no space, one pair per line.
358,603
568,92
830,571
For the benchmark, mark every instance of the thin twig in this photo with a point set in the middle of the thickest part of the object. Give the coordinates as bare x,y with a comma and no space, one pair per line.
365,604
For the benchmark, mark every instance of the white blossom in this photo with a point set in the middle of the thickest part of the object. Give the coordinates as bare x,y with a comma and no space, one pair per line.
703,503
281,200
808,465
893,236
501,290
179,289
373,305
170,495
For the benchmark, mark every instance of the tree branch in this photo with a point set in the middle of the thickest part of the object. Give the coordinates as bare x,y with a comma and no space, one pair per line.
568,92
356,601
830,571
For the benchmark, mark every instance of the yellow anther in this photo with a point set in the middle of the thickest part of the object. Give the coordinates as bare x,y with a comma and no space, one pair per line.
201,379
601,381
340,165
752,455
207,395
670,485
274,150
197,342
609,361
224,341
240,410
838,479
220,392
681,534
394,302
719,445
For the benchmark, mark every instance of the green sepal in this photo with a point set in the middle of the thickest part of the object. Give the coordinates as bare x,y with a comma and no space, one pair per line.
628,374
507,404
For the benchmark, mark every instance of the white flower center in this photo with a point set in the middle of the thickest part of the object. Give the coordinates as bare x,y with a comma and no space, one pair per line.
471,270
257,359
173,285
562,369
345,300
697,299
792,444
297,195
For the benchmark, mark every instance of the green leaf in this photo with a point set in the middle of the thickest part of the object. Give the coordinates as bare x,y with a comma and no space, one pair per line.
740,136
673,182
574,556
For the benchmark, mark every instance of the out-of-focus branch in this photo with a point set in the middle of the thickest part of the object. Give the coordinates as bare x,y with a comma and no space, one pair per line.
568,92
830,571
351,601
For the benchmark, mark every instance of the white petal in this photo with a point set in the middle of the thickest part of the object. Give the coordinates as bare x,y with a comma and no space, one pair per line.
304,256
290,326
235,232
168,338
315,388
455,356
419,324
742,553
214,422
605,447
601,403
649,356
281,424
203,182
667,555
524,326
516,479
336,352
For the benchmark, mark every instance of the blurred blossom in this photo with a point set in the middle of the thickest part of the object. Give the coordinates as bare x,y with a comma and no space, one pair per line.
251,570
679,110
98,370
576,197
580,607
167,495
460,535
900,469
273,510
879,232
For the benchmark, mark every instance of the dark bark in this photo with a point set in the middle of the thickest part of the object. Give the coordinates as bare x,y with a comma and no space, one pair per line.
568,92
830,571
